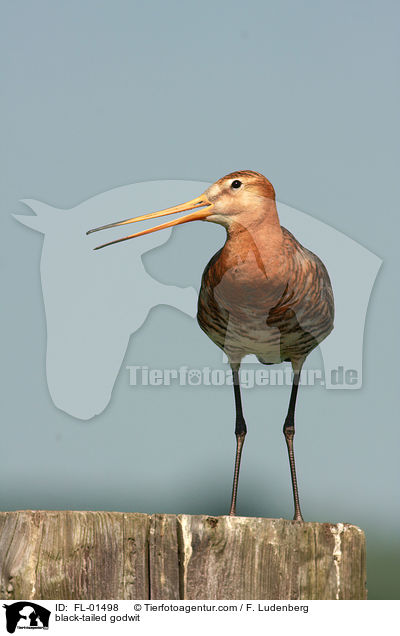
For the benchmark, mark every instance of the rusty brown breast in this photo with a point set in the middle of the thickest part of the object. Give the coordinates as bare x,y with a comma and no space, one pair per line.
264,293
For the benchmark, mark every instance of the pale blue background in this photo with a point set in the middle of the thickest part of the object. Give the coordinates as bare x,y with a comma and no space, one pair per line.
100,94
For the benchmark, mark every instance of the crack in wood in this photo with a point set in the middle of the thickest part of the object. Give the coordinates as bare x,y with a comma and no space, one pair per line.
94,555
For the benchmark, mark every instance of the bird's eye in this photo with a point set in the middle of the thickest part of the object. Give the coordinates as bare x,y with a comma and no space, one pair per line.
236,184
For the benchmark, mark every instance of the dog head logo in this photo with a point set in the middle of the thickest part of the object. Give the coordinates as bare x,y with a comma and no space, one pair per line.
26,615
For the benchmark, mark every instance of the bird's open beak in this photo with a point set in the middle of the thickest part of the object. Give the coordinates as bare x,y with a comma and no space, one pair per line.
200,215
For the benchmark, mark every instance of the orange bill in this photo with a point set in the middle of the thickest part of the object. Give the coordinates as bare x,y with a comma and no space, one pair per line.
199,215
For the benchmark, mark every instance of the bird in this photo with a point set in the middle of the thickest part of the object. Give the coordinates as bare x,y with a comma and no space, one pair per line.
262,293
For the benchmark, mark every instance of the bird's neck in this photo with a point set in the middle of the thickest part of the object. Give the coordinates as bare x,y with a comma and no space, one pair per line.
259,226
252,258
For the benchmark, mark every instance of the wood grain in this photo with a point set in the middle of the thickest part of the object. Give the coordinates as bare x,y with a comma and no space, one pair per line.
115,555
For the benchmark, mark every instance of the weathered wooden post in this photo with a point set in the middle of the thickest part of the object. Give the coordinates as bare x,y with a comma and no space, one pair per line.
115,555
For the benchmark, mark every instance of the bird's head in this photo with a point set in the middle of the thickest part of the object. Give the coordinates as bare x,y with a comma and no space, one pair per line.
232,196
239,197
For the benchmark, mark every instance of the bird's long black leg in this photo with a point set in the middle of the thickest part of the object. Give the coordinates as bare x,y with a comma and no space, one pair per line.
240,432
288,430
